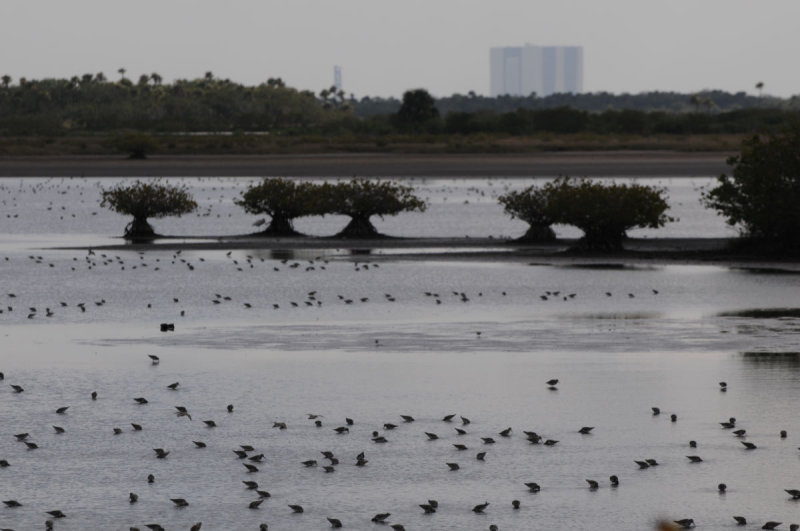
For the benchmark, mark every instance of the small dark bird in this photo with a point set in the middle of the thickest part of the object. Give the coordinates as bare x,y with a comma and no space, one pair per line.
155,359
431,436
553,382
515,504
460,431
407,418
310,463
329,469
533,487
296,508
692,444
380,518
250,468
770,525
4,463
94,395
794,493
279,425
685,523
263,527
12,503
389,426
749,445
22,436
31,446
722,487
550,442
673,417
694,458
478,509
199,444
251,485
614,481
783,434
241,454
448,418
140,400
173,386
133,498
652,462
741,520
505,433
256,458
592,484
335,522
230,408
160,453
151,478
62,410
179,502
255,504
136,427
196,527
480,456
56,514
348,421
464,421
263,494
460,447
642,464
740,433
342,429
397,527
17,388
428,508
586,430
487,440
58,429
210,423
656,411
380,439
453,466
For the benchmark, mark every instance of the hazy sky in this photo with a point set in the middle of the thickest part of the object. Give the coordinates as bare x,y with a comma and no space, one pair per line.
388,46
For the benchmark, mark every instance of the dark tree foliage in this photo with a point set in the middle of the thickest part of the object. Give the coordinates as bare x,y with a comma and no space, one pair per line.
283,200
763,193
605,212
144,200
360,199
417,112
531,205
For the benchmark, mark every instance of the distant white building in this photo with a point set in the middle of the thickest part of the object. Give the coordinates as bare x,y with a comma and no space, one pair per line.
545,70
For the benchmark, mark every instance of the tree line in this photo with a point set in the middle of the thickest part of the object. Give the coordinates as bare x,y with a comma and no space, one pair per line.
93,103
760,197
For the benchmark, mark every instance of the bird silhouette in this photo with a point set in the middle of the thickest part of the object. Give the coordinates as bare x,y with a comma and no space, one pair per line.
179,502
296,508
478,509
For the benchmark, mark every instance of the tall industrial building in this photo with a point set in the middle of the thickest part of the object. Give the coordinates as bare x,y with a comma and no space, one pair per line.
545,70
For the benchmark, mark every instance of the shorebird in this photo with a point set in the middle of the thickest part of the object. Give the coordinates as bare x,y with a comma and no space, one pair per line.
586,430
460,447
154,359
407,418
136,427
199,444
380,518
173,386
487,440
614,481
62,410
140,400
12,503
453,466
480,456
160,453
533,487
740,520
196,527
428,508
431,436
770,525
4,463
505,433
478,509
794,493
593,485
255,504
56,514
448,418
17,388
552,383
251,485
296,508
250,468
515,504
656,411
685,523
642,464
210,423
694,458
749,445
722,487
335,522
133,498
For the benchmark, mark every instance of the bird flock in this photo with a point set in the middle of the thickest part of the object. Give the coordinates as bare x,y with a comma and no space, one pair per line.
252,461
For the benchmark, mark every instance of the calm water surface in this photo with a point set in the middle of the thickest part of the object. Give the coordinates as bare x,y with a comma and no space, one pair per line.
620,339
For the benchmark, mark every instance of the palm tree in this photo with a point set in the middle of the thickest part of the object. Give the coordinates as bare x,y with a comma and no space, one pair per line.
6,80
156,79
760,88
121,72
100,77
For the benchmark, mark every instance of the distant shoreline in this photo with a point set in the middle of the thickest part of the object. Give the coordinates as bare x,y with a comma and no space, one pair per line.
390,165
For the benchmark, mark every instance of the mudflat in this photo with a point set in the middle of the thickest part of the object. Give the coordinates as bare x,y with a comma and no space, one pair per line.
545,164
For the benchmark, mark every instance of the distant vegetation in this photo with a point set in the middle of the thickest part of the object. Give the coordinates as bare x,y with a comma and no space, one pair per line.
762,194
144,200
161,113
604,212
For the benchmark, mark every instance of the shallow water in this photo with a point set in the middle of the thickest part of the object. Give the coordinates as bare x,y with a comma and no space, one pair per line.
630,338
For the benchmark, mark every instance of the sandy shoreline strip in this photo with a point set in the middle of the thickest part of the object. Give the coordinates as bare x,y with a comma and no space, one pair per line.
547,164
